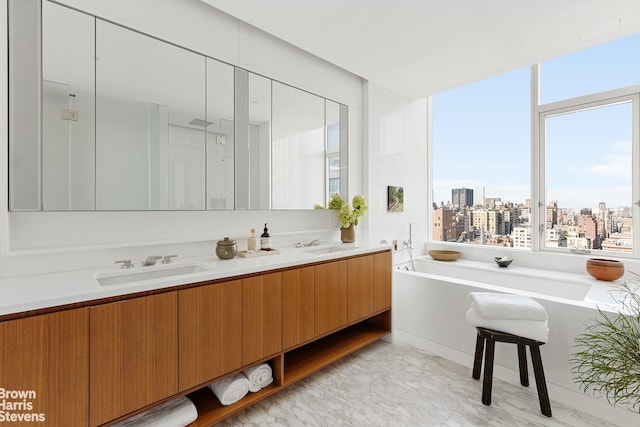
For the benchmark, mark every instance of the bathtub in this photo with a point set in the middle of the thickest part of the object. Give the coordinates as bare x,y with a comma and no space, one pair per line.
429,307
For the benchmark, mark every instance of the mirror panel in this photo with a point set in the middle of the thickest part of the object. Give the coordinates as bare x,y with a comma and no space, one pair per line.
333,159
68,110
150,108
259,169
298,148
220,136
25,120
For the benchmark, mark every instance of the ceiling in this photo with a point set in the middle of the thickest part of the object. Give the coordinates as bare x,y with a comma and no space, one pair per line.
418,48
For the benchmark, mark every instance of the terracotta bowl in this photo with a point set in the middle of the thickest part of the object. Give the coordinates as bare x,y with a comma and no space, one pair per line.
442,255
605,269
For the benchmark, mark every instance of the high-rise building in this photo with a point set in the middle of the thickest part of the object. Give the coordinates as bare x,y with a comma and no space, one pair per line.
478,196
588,228
461,197
445,225
489,220
522,237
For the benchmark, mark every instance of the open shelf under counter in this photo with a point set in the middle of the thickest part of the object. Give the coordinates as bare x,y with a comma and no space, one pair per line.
306,360
211,411
298,364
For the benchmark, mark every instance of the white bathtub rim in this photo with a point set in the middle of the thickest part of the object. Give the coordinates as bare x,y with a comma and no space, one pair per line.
598,289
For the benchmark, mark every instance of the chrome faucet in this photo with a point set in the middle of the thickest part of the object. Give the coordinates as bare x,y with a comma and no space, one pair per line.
126,263
167,258
314,242
151,260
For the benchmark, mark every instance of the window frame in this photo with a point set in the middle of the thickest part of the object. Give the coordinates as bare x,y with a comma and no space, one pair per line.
574,105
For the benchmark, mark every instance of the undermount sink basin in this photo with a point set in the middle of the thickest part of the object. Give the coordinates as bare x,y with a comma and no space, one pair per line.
329,249
137,276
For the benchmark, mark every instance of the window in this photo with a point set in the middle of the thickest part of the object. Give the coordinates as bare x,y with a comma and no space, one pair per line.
586,166
588,175
481,167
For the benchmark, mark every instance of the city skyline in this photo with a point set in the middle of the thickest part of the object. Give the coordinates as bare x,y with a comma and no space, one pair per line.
477,202
486,222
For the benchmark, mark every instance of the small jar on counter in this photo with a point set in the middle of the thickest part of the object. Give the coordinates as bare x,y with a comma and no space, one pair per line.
226,249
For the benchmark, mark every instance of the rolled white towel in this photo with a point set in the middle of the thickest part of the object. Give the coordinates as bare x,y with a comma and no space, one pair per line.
534,329
175,413
259,376
506,306
232,389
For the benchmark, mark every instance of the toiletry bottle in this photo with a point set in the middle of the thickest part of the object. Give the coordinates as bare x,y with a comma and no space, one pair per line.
265,240
253,244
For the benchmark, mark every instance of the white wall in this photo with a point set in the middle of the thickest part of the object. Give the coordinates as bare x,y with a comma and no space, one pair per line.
396,154
29,241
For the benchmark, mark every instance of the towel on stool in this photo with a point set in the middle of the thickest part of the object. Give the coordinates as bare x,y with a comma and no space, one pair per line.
232,389
506,306
175,413
259,376
534,329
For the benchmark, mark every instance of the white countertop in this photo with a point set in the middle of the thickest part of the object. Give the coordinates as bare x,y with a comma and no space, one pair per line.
32,292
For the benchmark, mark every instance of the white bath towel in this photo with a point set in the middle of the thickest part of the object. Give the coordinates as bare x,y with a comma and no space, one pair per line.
506,306
175,413
232,389
534,329
259,376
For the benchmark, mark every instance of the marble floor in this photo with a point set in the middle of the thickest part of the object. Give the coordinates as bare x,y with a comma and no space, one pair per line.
399,385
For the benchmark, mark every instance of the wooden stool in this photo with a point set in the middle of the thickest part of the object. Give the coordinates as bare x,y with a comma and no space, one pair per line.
491,336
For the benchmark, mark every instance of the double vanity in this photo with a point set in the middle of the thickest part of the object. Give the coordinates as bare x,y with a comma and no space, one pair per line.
96,347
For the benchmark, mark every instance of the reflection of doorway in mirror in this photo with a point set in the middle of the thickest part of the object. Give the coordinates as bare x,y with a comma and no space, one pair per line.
67,148
220,167
186,168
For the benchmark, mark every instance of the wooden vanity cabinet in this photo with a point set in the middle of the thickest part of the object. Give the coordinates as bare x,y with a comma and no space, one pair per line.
97,364
381,281
210,328
133,355
360,276
47,357
298,312
261,317
330,291
369,285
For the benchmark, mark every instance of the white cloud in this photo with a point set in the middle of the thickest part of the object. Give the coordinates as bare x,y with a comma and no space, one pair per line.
621,146
501,167
618,167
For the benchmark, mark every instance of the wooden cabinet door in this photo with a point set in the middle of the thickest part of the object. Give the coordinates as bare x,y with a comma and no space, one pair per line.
330,296
210,328
261,317
360,286
46,359
297,306
133,355
381,281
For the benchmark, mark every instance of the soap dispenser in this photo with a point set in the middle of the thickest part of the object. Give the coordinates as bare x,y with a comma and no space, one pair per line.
253,244
265,239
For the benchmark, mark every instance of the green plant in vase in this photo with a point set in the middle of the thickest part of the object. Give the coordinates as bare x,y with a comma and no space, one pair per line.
348,215
607,360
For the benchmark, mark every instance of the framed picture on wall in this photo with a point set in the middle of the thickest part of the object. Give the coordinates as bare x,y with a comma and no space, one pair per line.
395,199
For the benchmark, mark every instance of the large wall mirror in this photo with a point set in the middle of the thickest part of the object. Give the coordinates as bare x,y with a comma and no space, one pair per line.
130,122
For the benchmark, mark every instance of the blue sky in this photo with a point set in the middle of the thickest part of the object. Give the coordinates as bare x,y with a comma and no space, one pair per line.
482,132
